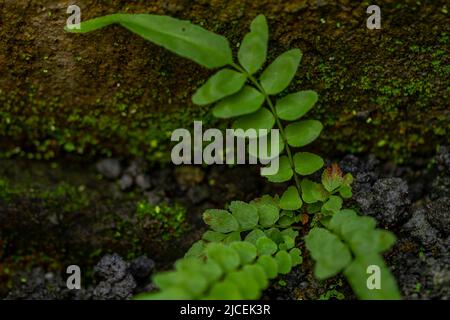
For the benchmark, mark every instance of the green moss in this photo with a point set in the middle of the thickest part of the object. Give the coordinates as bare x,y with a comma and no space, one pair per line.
171,219
5,191
333,292
72,198
372,98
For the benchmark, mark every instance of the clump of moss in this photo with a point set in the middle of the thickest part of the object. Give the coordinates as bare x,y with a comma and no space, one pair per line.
372,99
4,189
171,220
73,198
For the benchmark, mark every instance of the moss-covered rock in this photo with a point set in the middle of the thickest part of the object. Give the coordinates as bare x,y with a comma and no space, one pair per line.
111,92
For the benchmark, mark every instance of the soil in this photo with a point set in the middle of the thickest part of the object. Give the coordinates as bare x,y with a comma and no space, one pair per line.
117,267
109,92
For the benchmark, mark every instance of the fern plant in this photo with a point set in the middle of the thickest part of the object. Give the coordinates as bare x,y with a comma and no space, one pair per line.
251,243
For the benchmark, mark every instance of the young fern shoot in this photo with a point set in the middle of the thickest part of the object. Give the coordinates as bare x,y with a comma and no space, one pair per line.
251,243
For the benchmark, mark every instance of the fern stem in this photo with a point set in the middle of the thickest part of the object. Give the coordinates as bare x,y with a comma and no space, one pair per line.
278,121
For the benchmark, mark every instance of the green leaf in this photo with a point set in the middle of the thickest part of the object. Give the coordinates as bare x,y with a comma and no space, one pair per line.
246,283
226,257
296,256
266,199
345,192
188,264
96,23
190,281
314,207
275,235
304,132
222,84
313,192
254,235
208,269
253,51
286,221
384,240
266,246
262,119
268,214
232,237
296,105
213,236
258,273
290,233
330,254
270,266
290,200
348,179
284,173
211,270
225,290
196,250
288,243
220,220
307,163
179,36
246,101
247,251
265,151
168,294
357,224
280,73
358,277
287,213
332,206
332,178
284,262
246,214
340,219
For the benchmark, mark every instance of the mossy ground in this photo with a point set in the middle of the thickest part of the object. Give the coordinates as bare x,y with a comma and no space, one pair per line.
54,214
112,93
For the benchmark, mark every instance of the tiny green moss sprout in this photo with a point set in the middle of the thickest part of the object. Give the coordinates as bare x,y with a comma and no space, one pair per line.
170,219
4,189
249,244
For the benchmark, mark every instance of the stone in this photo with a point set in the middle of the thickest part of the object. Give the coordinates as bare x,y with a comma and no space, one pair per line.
126,182
109,168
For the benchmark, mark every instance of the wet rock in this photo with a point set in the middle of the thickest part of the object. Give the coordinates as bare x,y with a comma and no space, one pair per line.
422,275
142,267
143,181
440,187
38,285
419,229
443,159
356,166
136,167
109,168
111,267
118,283
439,215
115,290
364,173
150,287
126,182
82,294
198,194
387,201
